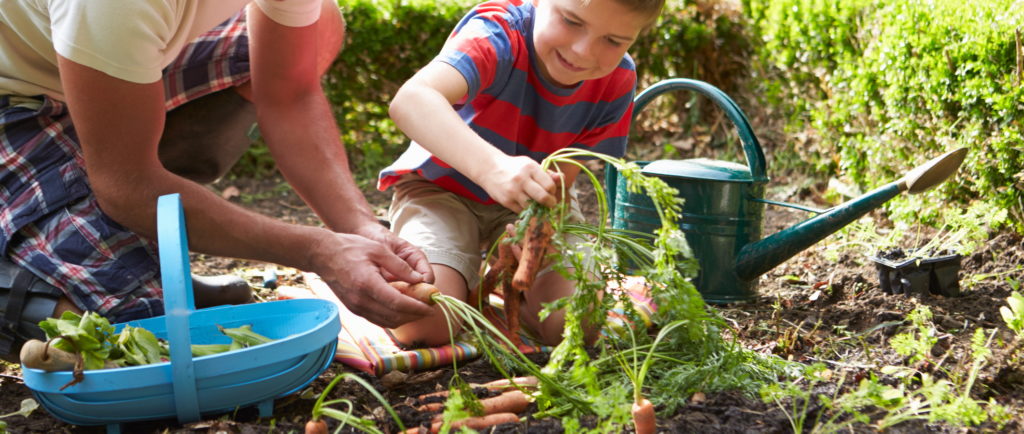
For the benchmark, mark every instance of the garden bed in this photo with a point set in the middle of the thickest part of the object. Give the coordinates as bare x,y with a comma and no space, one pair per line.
809,309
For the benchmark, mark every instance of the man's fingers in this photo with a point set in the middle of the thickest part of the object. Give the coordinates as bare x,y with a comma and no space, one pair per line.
395,266
383,305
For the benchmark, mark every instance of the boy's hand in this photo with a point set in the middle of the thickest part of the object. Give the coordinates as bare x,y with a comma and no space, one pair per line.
516,180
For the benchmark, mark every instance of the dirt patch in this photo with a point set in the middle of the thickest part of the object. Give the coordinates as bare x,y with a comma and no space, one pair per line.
809,309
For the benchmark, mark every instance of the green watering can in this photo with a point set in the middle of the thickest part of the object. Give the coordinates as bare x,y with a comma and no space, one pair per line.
724,209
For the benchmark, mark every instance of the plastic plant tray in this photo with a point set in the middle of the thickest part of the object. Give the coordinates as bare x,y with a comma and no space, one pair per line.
305,333
921,276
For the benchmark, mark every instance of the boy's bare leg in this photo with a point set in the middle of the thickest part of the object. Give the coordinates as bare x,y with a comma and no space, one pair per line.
548,287
433,330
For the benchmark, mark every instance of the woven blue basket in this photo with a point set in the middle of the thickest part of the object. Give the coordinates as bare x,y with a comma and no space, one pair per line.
305,333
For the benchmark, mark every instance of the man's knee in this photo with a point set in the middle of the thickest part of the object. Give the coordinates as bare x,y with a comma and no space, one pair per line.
25,300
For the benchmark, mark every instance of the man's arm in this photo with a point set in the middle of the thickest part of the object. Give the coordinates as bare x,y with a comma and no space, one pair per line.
119,124
299,127
422,109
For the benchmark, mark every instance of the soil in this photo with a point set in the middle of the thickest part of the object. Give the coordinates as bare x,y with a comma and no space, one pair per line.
812,308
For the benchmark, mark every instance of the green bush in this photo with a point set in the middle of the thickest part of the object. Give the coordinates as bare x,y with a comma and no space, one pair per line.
887,84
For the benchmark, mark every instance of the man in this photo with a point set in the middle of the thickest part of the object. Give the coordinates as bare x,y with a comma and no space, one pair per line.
106,105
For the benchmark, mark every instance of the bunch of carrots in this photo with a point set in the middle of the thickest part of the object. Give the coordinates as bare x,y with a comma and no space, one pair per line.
512,276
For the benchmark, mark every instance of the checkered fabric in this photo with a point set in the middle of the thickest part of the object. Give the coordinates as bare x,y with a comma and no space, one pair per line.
50,222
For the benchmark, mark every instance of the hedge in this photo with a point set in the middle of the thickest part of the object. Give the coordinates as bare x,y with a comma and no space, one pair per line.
884,85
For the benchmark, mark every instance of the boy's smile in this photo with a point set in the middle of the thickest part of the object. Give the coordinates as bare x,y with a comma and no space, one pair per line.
576,42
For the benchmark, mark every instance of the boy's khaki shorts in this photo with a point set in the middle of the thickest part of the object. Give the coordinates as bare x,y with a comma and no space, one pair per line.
450,229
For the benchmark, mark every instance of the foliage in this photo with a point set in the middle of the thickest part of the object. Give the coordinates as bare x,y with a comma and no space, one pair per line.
322,406
1013,313
693,357
887,84
28,405
894,394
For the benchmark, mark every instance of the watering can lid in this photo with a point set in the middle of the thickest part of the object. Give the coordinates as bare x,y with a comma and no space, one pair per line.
700,168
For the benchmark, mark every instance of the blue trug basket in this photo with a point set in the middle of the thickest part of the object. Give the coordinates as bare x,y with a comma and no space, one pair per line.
305,333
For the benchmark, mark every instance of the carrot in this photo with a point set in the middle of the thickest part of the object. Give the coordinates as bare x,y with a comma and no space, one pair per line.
514,401
431,407
316,426
37,354
422,291
643,417
506,261
527,382
512,301
477,423
500,385
535,245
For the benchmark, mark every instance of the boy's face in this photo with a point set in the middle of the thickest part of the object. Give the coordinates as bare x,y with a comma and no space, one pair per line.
576,42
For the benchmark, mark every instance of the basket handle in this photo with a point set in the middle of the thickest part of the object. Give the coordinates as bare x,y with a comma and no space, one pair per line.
179,302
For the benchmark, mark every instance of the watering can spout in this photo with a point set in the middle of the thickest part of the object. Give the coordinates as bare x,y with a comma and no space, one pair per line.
758,257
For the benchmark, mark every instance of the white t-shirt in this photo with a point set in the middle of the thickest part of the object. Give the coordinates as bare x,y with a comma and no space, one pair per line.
129,39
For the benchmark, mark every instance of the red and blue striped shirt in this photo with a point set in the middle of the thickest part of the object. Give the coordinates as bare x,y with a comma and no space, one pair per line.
511,105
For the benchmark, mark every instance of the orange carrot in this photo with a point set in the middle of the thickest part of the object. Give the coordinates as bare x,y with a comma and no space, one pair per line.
422,291
513,401
477,423
643,417
512,301
535,245
506,261
431,407
508,402
317,426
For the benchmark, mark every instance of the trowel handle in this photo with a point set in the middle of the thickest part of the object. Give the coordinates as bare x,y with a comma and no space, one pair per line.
751,147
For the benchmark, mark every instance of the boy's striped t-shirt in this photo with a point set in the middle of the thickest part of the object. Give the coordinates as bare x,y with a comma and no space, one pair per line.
510,104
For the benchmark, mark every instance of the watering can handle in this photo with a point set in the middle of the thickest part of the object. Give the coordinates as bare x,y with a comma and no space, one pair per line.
179,302
751,147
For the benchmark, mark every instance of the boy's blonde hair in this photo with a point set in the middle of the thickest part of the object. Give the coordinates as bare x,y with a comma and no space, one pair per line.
651,8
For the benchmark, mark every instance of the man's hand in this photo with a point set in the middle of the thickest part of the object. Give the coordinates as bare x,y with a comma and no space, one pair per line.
355,268
401,248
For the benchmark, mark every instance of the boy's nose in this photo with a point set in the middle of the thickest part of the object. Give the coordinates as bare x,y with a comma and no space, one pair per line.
582,47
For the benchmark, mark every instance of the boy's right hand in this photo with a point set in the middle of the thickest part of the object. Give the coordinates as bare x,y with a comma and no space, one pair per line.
516,180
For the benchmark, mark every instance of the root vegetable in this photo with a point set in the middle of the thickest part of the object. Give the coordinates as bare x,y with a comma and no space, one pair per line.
37,354
431,407
514,401
422,291
316,427
509,402
643,417
504,264
535,245
528,382
477,423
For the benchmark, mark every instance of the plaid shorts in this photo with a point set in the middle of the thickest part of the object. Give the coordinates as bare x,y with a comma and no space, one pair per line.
64,237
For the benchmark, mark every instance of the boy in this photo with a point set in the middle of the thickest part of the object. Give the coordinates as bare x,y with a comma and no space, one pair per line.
516,81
